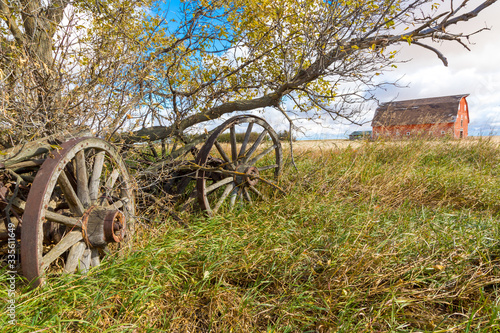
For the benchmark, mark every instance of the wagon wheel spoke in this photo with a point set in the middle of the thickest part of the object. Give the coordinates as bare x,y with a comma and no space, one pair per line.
254,147
247,195
232,133
223,197
109,185
59,218
72,199
74,257
84,263
222,153
232,199
95,258
261,155
110,182
67,242
95,179
267,167
240,195
82,179
245,140
254,190
218,184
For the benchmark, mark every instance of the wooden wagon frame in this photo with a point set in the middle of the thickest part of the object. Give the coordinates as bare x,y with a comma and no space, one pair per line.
68,200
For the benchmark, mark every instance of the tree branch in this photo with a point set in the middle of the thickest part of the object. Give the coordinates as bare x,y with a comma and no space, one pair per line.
11,23
290,122
461,18
436,51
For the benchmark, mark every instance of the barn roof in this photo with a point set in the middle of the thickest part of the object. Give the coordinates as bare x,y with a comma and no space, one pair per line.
418,111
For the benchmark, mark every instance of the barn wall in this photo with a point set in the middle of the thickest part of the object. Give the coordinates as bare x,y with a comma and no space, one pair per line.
419,130
462,122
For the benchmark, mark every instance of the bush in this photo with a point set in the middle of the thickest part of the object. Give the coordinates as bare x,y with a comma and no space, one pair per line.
285,136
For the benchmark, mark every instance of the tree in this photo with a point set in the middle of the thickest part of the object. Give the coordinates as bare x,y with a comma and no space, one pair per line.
321,55
27,36
162,75
66,63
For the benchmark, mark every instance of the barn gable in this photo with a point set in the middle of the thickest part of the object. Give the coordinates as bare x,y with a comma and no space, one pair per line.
418,111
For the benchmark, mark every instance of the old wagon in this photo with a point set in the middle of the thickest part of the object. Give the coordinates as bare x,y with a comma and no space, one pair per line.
68,200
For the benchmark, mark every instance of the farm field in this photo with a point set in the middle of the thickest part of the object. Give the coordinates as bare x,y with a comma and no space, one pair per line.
370,237
344,143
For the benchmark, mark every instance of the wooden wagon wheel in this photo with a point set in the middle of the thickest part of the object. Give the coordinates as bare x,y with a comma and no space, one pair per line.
80,206
238,171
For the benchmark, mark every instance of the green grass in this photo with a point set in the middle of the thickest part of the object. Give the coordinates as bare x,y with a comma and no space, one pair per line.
384,238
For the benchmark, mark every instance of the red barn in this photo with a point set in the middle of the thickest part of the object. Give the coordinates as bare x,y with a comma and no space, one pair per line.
435,117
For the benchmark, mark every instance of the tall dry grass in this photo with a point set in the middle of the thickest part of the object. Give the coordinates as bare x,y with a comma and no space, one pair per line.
382,238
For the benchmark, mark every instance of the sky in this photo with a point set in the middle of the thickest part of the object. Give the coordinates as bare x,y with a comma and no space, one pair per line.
475,72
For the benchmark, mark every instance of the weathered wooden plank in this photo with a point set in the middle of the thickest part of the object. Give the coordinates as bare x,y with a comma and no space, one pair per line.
35,148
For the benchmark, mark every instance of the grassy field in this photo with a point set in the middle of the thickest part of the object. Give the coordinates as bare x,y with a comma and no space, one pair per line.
380,237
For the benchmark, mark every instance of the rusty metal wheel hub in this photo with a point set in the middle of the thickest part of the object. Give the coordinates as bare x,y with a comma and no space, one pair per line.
103,225
248,176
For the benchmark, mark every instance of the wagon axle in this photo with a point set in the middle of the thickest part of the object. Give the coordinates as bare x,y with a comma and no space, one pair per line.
249,175
101,226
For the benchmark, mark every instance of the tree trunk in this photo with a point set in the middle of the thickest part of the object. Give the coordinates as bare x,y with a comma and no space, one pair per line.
35,60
